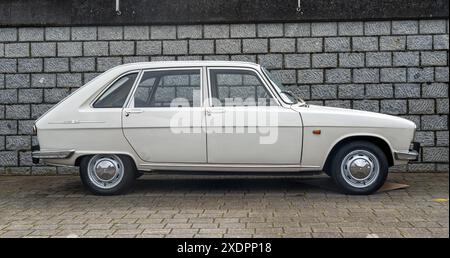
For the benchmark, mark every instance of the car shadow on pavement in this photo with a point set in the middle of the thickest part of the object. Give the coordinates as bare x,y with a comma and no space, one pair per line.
224,185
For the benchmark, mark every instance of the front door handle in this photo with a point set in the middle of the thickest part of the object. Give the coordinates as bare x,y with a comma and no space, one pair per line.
215,111
133,111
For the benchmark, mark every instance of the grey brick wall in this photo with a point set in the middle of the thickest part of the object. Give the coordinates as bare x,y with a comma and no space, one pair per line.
393,67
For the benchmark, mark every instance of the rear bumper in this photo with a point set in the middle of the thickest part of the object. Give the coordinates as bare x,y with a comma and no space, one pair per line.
37,154
411,155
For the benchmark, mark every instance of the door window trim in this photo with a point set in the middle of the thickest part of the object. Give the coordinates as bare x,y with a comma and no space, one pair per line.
261,79
129,103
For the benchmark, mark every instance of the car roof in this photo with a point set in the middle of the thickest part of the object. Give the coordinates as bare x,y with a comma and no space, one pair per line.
168,64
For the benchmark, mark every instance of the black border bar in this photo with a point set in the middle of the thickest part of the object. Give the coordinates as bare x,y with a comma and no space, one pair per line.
150,12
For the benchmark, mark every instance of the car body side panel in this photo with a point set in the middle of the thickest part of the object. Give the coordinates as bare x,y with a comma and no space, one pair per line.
337,124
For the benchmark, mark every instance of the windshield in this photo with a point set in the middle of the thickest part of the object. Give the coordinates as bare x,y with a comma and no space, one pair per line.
286,95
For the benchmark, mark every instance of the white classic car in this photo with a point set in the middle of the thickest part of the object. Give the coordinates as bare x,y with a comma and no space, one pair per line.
213,116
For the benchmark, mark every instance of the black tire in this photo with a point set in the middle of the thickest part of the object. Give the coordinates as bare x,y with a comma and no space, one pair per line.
138,174
124,184
338,173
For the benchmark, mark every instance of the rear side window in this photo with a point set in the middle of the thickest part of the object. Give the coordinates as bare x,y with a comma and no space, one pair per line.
170,88
116,94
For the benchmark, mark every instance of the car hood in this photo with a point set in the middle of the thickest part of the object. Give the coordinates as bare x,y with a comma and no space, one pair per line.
313,115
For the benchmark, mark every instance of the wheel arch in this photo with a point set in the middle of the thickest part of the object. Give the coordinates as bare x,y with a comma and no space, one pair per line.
81,156
382,143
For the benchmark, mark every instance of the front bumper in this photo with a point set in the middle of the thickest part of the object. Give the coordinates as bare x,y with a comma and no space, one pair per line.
411,155
37,154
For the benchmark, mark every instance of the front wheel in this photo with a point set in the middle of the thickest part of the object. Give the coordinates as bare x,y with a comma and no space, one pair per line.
107,174
359,168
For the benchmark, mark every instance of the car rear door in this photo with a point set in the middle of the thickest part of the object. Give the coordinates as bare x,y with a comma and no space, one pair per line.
164,118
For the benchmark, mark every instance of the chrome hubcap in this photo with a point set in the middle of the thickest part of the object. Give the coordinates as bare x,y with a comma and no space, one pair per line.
105,171
360,168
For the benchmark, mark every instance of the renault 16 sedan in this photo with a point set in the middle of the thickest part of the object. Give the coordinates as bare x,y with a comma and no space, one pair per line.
214,116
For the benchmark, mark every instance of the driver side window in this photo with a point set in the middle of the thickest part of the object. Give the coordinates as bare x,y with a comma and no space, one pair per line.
232,87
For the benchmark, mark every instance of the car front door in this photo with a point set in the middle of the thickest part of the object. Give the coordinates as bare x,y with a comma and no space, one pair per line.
164,118
246,124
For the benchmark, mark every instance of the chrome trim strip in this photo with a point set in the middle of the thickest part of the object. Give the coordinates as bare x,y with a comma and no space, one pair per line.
237,165
76,122
52,154
410,155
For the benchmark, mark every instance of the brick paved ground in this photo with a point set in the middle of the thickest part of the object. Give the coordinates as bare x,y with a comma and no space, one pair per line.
231,207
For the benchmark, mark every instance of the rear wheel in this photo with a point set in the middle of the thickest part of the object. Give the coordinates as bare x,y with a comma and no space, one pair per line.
359,168
107,174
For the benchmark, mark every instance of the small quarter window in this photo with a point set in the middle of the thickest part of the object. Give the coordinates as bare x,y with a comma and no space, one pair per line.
117,93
